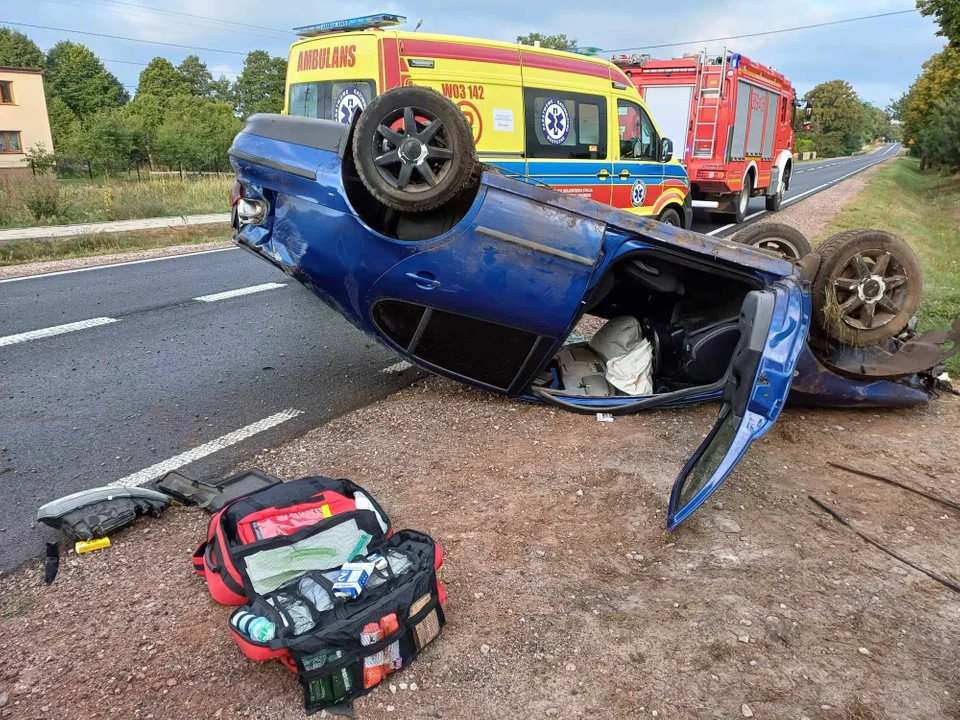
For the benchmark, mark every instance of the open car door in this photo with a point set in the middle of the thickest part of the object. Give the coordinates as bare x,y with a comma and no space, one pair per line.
773,331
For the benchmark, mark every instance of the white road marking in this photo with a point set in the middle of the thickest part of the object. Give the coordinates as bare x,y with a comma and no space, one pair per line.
107,266
758,213
178,461
240,291
55,330
397,367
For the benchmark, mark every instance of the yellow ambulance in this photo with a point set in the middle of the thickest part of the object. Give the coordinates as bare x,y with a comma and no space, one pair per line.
573,122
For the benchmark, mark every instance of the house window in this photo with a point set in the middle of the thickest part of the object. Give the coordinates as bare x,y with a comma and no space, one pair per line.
6,92
10,142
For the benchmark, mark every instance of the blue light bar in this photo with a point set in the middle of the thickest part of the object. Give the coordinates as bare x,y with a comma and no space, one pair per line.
358,23
589,50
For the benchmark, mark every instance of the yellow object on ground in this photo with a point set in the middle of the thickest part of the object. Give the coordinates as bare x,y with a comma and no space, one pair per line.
85,546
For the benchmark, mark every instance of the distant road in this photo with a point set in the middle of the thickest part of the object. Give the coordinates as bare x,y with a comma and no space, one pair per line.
808,178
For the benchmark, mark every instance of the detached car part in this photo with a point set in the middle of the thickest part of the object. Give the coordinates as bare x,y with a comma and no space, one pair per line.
101,511
215,496
487,287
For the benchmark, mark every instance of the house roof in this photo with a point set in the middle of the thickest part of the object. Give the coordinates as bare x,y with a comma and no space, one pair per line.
29,71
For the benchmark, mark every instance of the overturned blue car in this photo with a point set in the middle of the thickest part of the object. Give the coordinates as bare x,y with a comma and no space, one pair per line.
482,277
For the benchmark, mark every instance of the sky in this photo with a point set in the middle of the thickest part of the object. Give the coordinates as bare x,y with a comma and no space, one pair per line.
879,57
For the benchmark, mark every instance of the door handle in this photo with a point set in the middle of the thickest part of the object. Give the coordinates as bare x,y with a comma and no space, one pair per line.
624,174
424,280
603,174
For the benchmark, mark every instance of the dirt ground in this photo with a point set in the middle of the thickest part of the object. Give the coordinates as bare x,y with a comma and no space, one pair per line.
567,598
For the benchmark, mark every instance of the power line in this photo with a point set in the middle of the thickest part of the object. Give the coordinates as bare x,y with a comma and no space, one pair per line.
206,23
118,37
768,32
143,64
220,21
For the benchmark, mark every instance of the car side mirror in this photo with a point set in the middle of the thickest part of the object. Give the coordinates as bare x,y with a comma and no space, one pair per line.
666,150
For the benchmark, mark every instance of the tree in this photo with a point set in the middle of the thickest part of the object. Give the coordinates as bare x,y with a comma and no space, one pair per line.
940,78
259,88
197,132
162,80
838,118
940,138
221,90
19,51
63,124
111,139
196,75
876,124
556,42
148,110
74,74
947,13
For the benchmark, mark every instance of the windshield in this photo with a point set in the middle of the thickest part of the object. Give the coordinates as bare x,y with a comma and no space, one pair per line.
331,99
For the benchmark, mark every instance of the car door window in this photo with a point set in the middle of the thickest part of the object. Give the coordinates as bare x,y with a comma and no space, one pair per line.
568,126
638,138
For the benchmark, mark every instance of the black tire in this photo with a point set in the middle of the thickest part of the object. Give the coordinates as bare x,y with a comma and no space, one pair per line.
849,305
670,217
776,238
743,199
774,202
420,167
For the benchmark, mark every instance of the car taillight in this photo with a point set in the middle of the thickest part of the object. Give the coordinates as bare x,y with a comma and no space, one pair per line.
250,211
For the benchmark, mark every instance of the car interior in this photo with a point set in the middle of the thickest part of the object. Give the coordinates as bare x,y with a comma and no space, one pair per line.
688,317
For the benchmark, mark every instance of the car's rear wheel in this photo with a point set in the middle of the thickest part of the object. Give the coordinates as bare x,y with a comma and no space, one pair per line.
867,288
670,217
776,238
414,149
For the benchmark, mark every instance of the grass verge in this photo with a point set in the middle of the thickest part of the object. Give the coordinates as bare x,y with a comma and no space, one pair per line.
924,209
43,200
31,251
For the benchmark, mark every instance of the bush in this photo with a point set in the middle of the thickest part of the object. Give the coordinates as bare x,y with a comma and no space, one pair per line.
41,196
805,145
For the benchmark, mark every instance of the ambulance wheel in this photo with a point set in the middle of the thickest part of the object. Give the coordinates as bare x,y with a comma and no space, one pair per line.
670,217
867,288
775,238
414,149
743,199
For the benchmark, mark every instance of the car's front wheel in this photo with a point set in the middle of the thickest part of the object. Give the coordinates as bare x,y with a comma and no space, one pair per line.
414,149
776,238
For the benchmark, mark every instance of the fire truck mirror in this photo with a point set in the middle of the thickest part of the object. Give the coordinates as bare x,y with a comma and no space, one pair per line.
666,150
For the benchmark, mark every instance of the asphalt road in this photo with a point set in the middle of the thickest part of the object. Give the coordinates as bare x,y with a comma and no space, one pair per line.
808,178
120,373
101,404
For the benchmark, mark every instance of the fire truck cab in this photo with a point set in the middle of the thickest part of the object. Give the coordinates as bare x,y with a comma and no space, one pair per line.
736,118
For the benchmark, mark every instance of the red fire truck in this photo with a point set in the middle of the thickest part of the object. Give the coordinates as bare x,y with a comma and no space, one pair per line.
733,117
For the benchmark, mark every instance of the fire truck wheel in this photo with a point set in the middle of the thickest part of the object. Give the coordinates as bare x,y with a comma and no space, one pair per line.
776,238
774,202
414,149
670,217
743,199
867,288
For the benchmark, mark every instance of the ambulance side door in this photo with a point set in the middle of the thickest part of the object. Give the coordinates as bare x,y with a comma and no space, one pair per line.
637,170
567,141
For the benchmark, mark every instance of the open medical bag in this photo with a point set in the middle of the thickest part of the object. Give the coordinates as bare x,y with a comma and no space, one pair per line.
278,552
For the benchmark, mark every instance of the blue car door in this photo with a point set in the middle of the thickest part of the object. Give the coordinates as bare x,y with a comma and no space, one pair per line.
486,301
773,331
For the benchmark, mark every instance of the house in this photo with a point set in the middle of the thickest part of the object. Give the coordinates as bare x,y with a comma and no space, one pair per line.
23,119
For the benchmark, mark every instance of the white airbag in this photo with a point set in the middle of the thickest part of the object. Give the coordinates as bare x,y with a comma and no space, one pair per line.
628,357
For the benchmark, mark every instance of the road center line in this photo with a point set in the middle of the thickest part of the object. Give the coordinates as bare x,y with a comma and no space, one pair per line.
178,461
55,330
240,291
